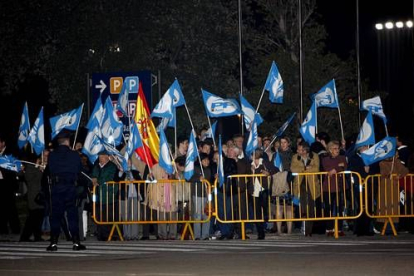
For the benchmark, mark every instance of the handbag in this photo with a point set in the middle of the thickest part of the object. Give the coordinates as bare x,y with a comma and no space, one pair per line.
280,185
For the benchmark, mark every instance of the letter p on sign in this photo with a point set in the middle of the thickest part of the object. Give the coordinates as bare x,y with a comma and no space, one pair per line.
116,84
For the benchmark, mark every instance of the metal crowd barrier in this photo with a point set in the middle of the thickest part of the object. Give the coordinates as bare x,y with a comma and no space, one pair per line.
340,198
151,202
389,198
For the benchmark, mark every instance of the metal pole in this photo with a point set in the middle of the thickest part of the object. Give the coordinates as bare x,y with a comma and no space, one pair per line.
300,58
358,63
240,58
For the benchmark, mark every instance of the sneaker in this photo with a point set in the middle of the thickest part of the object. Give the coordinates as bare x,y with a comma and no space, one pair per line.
376,231
78,247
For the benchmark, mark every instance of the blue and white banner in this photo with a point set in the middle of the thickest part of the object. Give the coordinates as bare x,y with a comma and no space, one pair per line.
97,115
375,106
191,157
326,96
92,145
69,120
366,134
220,169
111,127
178,97
118,158
164,108
274,84
382,150
278,162
37,134
164,157
134,140
123,98
24,127
252,142
219,107
285,125
308,127
10,163
249,113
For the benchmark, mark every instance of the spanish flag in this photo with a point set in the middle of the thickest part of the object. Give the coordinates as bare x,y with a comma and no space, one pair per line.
150,151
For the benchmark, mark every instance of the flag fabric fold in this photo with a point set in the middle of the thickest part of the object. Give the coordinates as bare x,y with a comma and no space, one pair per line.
249,113
326,96
308,127
96,115
111,127
92,145
10,163
164,108
165,158
219,107
37,134
384,149
210,132
375,106
274,84
278,162
366,134
69,120
118,157
285,125
24,127
191,157
134,141
252,141
150,151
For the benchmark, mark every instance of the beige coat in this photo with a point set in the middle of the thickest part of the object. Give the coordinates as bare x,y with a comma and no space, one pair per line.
157,193
389,192
314,185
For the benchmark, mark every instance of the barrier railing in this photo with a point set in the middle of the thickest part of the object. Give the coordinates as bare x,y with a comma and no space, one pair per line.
314,197
152,202
389,198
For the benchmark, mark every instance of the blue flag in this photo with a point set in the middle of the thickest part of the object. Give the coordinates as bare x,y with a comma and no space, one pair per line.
210,132
130,85
111,126
178,97
375,106
326,96
282,129
252,142
220,170
278,162
219,107
118,158
10,163
97,114
24,128
274,84
308,127
134,140
37,134
92,145
249,113
382,150
366,134
69,120
164,157
164,108
191,157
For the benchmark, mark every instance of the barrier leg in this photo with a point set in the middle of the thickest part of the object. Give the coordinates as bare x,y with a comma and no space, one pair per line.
187,226
384,228
394,231
115,226
336,229
243,231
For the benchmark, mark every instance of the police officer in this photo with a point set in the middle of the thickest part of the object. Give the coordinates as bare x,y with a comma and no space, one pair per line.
64,167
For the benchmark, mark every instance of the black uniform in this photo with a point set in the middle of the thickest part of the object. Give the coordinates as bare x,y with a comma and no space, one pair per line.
64,167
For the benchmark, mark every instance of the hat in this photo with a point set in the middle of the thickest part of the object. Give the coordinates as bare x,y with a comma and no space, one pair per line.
64,134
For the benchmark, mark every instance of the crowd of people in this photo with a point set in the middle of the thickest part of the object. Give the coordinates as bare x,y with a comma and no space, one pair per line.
48,213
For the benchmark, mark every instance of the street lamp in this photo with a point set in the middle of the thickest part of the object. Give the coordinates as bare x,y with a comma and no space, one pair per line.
409,24
389,25
379,26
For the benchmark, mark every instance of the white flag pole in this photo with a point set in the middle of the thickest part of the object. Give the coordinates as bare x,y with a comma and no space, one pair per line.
261,96
340,123
77,128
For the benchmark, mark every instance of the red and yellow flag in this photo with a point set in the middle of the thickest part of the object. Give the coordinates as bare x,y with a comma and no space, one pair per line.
150,152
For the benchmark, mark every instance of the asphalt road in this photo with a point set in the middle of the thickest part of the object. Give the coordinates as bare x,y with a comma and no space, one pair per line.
277,255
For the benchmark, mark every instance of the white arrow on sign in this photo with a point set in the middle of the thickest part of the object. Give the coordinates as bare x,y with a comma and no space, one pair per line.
101,86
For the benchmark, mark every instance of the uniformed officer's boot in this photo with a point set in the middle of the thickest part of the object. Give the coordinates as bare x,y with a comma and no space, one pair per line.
77,245
53,244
